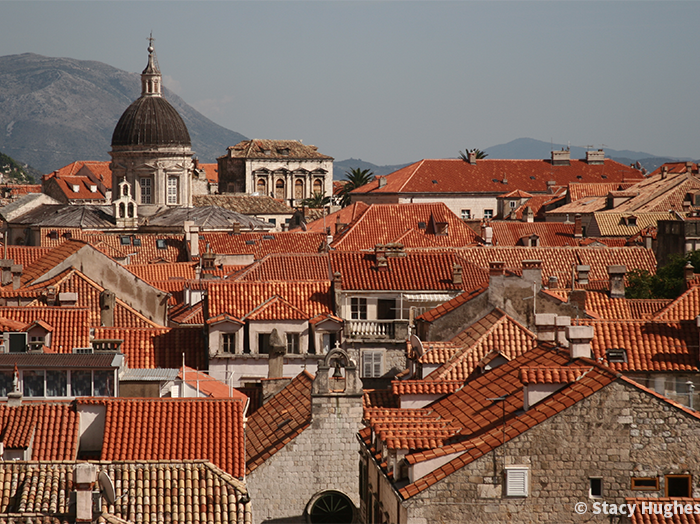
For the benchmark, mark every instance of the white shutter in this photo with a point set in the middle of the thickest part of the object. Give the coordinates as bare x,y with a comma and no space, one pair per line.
516,481
377,365
367,364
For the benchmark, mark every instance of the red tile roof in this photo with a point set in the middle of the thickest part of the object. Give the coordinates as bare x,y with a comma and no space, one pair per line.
279,420
175,429
345,215
208,385
649,345
184,314
276,308
99,168
50,260
26,255
577,190
438,352
212,172
71,325
51,429
655,509
685,307
551,374
240,298
413,225
494,176
159,347
418,270
598,304
259,246
425,387
379,398
169,271
449,306
69,184
551,234
296,267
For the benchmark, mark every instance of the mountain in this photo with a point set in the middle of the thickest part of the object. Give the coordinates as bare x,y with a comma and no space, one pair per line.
340,167
54,111
15,173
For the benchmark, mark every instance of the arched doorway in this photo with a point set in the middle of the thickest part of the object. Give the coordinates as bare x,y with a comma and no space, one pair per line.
330,507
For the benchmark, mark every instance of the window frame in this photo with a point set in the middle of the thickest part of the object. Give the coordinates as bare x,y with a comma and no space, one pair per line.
358,308
466,214
172,190
644,488
228,343
515,475
591,494
677,476
293,340
374,359
488,213
146,185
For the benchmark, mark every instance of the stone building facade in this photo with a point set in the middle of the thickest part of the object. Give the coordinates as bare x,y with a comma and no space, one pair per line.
623,441
315,470
286,170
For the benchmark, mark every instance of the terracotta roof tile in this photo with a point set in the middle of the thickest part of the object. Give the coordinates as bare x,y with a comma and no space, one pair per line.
244,204
577,190
208,385
261,244
449,306
438,352
654,514
425,387
266,149
550,234
551,374
50,429
296,267
413,225
379,398
163,429
71,325
458,176
278,421
685,307
276,308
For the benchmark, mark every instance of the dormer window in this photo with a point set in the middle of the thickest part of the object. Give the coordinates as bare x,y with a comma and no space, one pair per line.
93,188
160,244
616,355
125,240
283,151
422,225
53,235
76,188
512,204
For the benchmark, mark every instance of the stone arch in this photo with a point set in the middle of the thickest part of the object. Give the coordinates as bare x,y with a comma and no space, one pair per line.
298,189
261,186
330,507
121,213
337,362
318,186
279,189
130,210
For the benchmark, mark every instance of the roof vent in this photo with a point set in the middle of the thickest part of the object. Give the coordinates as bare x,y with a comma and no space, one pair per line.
616,355
160,243
422,225
268,237
250,242
434,181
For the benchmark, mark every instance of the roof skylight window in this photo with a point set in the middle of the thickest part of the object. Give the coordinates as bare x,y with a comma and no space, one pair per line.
125,241
160,243
616,355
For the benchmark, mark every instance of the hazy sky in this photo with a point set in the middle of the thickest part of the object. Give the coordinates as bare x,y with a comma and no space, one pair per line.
396,81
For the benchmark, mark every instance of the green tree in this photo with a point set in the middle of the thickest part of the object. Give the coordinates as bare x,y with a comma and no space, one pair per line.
464,155
354,178
668,282
318,200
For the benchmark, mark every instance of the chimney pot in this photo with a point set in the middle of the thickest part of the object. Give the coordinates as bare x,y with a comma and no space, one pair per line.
617,281
580,340
497,268
545,326
457,274
578,227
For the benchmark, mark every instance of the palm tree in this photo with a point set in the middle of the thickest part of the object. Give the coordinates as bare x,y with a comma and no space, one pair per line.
479,154
355,178
317,201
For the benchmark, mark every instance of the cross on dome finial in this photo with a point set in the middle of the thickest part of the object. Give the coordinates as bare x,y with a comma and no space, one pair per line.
150,42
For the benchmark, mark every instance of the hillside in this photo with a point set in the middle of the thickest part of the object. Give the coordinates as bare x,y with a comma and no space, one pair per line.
54,111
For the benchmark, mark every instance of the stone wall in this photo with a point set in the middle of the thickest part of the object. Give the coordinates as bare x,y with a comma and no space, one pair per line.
618,433
323,457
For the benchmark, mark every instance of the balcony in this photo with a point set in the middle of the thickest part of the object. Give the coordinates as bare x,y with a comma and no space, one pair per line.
388,330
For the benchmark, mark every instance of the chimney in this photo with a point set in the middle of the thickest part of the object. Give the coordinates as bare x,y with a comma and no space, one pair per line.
382,181
236,228
561,158
488,235
550,186
380,257
6,271
108,302
194,241
562,324
84,477
471,157
546,327
577,298
497,268
595,157
16,271
532,271
68,299
51,296
578,228
617,281
275,362
553,282
582,274
664,172
689,272
688,167
338,280
456,274
580,340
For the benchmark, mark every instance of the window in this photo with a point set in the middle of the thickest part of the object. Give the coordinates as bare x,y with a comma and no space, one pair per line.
81,383
228,342
264,343
125,240
56,383
678,486
517,481
595,487
298,189
466,214
279,189
6,378
172,190
512,204
160,243
261,186
293,343
145,183
33,383
272,221
137,242
358,308
328,342
488,213
372,364
645,483
318,186
18,342
103,383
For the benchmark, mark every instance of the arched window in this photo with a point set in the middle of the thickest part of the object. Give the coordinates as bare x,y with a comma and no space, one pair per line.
131,209
125,190
261,186
318,186
279,189
121,213
330,507
299,189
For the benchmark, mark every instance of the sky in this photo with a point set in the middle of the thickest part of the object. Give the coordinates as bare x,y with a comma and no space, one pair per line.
391,82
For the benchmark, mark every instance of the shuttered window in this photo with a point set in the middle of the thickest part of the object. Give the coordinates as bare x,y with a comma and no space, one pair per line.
372,364
517,481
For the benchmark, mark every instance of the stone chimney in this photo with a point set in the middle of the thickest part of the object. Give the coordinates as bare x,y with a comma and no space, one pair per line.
68,299
16,270
380,257
664,172
546,327
578,228
275,361
595,157
236,228
553,282
339,226
617,281
108,301
689,272
6,271
84,477
487,235
381,180
51,296
471,157
338,280
562,324
580,340
561,158
582,274
457,274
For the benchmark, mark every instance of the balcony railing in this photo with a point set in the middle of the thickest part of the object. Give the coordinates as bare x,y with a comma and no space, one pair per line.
377,329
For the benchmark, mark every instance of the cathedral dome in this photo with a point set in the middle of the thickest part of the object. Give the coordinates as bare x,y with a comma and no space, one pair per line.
151,121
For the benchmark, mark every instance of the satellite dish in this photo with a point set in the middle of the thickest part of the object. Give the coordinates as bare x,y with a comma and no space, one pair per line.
106,487
417,345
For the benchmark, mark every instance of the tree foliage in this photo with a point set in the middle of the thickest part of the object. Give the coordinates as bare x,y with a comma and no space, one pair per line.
668,282
354,178
317,201
464,155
